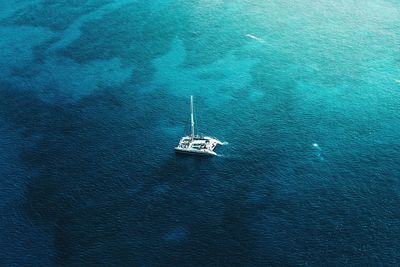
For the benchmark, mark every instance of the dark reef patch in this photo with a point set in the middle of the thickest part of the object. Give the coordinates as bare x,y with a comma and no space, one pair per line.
54,14
140,35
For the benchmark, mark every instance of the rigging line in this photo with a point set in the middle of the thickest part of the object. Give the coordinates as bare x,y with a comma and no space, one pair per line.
196,122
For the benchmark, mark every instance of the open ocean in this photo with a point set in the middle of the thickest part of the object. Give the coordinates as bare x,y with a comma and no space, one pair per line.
94,96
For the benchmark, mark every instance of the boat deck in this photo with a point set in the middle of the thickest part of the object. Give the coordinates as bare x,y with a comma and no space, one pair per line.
198,145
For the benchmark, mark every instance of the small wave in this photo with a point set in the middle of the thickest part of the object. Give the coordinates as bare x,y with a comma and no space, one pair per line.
225,143
397,81
175,235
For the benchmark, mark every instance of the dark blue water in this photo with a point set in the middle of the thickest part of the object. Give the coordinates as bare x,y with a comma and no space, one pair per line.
94,97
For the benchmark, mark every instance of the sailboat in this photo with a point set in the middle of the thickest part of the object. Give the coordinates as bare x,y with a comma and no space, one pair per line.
197,144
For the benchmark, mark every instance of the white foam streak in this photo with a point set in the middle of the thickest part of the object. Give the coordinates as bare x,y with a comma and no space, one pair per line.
251,36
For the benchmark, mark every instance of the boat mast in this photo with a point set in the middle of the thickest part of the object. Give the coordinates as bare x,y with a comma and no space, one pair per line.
192,115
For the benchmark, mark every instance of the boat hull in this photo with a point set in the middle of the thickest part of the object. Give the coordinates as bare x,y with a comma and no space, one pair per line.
195,152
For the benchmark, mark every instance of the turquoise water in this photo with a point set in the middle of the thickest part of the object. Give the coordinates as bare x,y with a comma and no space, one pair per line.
94,97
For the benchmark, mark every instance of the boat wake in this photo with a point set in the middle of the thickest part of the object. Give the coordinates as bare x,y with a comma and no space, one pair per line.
251,36
318,152
316,146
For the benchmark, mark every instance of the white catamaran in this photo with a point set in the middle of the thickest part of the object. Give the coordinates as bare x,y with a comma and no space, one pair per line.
197,144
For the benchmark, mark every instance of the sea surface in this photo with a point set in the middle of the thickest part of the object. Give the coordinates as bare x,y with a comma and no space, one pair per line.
94,96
